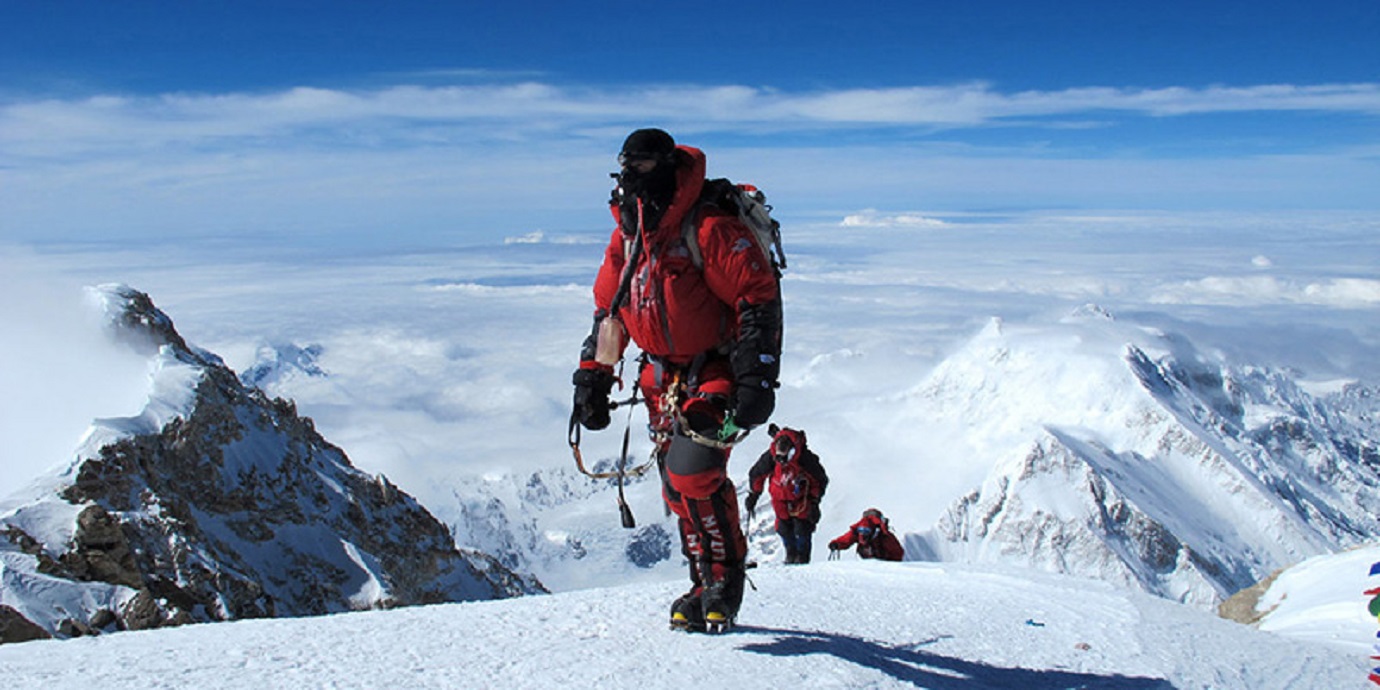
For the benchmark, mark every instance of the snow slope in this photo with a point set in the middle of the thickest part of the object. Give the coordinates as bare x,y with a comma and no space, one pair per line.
827,625
1322,599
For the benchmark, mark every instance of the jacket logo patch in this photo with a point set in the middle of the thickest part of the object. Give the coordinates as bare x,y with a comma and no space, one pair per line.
741,245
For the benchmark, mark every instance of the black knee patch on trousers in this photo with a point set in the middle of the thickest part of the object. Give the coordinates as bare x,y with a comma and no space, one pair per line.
686,457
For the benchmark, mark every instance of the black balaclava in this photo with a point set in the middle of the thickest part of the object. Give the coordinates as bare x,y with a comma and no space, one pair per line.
783,449
655,188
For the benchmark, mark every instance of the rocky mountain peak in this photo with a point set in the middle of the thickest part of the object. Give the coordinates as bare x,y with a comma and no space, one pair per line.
135,320
231,506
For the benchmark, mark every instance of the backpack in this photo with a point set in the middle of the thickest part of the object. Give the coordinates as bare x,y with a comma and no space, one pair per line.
750,205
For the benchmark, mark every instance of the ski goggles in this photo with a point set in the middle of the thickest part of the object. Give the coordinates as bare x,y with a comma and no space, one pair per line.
634,158
785,455
866,532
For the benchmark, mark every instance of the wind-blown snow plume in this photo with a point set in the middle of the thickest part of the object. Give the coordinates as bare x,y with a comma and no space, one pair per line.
57,370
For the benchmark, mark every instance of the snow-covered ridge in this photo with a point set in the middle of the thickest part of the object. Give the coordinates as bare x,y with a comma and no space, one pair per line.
1124,453
215,503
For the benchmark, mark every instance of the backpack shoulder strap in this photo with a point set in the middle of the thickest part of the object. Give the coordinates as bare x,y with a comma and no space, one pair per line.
690,230
733,200
713,193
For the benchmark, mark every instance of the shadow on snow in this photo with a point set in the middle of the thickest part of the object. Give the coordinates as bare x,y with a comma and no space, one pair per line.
923,669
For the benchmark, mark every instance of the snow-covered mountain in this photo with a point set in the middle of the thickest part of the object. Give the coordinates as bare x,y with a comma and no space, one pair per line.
1124,453
277,363
217,503
564,528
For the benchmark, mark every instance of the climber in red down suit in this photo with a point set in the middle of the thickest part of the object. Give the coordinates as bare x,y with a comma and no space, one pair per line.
873,536
796,480
710,332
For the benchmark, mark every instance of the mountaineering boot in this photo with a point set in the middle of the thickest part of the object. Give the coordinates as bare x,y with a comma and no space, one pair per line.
721,600
687,611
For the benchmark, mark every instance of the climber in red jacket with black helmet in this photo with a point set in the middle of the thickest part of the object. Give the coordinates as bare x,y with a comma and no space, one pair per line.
792,474
873,536
711,335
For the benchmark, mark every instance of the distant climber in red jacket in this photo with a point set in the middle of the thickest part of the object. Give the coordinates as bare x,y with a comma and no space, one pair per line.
791,473
873,536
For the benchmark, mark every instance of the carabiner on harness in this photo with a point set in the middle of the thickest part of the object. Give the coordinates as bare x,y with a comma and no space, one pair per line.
725,437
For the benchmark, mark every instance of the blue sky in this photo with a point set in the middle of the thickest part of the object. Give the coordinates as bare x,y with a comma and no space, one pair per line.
230,46
429,123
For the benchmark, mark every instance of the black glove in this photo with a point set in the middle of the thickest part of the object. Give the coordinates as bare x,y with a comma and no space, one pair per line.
835,546
754,398
755,359
592,387
751,502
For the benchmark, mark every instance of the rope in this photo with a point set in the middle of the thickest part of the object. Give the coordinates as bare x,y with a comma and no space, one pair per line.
671,401
621,472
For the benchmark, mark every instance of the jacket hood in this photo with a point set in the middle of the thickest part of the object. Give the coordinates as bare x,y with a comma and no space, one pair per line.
873,521
689,183
795,437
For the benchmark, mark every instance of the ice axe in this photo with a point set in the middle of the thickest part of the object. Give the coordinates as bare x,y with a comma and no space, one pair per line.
625,512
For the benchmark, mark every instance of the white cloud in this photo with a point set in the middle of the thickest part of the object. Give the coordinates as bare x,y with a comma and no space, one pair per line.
1346,293
410,114
534,237
871,218
502,158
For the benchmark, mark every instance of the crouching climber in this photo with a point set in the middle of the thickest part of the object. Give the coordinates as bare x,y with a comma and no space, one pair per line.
873,536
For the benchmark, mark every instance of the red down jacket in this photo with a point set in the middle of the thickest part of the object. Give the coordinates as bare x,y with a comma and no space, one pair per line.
873,536
676,310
